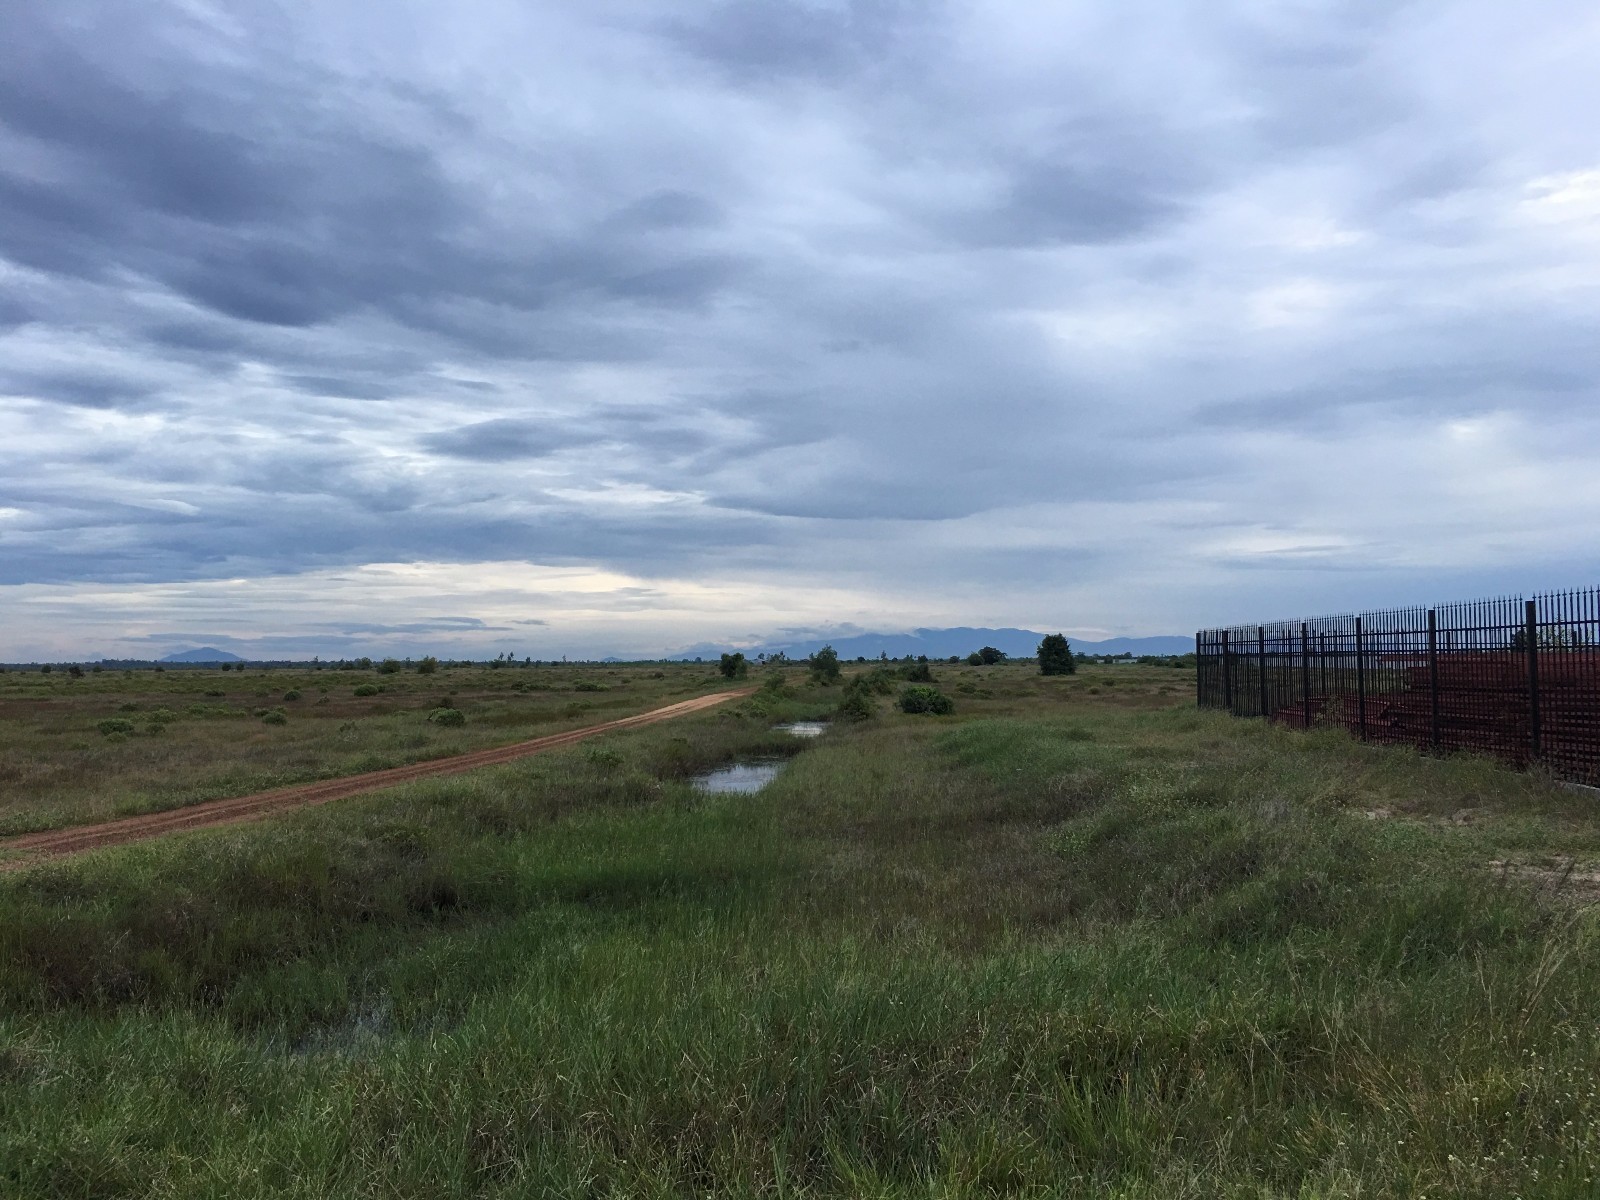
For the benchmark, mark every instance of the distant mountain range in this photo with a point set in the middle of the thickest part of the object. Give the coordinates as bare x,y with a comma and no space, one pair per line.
206,654
942,643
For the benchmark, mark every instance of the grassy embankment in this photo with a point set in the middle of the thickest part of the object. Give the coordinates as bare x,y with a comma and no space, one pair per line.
1077,940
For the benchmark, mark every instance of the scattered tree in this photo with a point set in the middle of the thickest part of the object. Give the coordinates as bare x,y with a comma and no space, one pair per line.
824,665
734,666
1055,656
428,665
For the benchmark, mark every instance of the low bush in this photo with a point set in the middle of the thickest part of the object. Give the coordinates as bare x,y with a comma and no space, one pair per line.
856,705
921,698
367,689
113,725
291,695
275,716
447,716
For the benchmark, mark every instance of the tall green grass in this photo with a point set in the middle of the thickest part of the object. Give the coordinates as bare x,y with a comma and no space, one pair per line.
1063,947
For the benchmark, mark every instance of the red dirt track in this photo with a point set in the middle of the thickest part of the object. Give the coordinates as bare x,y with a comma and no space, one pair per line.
56,843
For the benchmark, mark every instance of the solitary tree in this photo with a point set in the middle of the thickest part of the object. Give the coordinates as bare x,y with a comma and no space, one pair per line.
733,666
987,657
1055,656
824,665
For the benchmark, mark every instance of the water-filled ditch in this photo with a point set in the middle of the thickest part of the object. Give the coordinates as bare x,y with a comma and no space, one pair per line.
748,776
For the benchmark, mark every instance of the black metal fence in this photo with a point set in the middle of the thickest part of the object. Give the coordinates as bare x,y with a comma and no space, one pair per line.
1515,678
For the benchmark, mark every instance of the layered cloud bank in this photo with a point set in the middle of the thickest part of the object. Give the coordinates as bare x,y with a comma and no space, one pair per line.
1119,318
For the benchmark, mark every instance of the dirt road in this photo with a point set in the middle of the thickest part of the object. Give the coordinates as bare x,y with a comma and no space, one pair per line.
54,843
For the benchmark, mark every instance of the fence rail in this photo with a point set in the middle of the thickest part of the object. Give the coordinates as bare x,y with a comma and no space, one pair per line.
1518,679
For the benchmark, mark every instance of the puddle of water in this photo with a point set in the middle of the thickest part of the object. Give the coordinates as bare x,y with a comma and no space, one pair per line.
803,729
743,778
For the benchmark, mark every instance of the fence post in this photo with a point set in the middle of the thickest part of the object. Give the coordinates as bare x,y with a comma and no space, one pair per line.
1261,667
1227,676
1531,636
1433,677
1305,675
1361,680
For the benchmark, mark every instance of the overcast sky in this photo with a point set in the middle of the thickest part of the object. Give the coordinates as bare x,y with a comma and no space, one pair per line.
608,328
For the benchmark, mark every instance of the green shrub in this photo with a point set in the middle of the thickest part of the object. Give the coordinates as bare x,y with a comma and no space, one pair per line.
389,666
588,685
734,666
428,665
917,672
275,716
113,725
447,716
921,698
291,695
367,689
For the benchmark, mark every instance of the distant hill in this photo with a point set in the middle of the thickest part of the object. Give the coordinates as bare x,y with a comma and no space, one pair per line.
206,654
942,643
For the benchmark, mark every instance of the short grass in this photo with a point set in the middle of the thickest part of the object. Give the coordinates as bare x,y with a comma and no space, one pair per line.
1078,939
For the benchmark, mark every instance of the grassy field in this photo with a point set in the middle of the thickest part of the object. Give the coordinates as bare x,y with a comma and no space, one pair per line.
1077,939
203,734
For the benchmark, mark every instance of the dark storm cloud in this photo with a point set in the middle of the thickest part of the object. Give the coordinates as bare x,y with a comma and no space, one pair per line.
77,388
866,288
246,193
